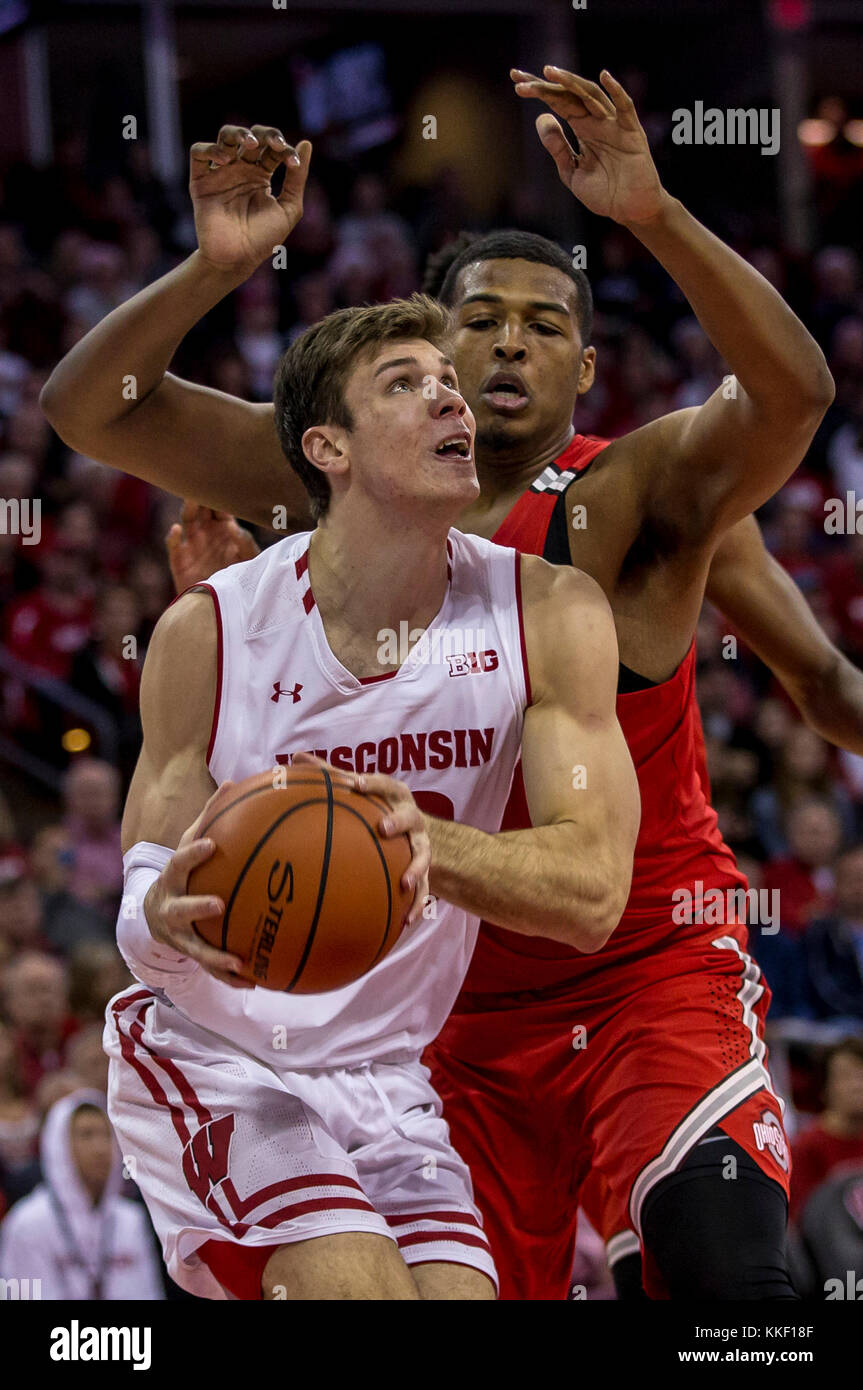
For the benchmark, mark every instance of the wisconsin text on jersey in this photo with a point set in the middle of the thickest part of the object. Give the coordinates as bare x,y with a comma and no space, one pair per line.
405,752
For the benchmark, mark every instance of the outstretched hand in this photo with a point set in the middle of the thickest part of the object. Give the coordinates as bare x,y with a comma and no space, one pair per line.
204,541
238,219
613,173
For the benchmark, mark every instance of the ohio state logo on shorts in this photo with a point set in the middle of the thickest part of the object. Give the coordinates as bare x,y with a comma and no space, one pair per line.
769,1135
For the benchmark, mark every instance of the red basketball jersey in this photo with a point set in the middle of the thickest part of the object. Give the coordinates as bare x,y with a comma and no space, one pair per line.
679,844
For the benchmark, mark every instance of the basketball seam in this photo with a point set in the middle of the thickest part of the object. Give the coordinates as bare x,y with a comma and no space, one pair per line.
298,806
322,885
354,811
256,791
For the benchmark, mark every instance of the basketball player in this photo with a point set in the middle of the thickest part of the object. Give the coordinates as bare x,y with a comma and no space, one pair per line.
292,1144
642,1099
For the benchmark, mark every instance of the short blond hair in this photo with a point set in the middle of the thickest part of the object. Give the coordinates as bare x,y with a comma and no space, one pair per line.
311,377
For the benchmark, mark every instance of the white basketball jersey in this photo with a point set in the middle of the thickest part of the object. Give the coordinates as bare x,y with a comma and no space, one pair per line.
448,722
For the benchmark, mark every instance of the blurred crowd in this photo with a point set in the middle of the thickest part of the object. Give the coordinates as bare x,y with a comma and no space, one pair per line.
75,242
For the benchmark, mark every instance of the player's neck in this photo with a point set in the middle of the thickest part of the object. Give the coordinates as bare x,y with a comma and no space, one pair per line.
378,577
510,468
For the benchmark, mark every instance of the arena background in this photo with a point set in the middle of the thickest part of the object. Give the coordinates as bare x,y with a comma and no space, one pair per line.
94,207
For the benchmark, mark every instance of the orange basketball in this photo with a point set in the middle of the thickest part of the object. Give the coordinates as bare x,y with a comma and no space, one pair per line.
313,896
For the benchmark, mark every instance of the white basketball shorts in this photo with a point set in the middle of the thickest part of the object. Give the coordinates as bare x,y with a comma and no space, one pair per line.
225,1148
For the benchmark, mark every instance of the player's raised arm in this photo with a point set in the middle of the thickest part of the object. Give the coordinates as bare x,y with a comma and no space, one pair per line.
774,619
170,789
706,467
112,397
567,878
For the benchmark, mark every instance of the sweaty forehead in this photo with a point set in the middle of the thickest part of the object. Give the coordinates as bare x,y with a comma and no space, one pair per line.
517,282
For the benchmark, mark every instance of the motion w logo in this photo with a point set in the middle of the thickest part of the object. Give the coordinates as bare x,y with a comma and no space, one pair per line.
206,1156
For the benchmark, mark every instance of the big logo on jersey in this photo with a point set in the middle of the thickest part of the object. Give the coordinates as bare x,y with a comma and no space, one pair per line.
472,663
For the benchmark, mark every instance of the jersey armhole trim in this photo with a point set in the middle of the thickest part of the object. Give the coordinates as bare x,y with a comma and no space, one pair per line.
518,601
220,663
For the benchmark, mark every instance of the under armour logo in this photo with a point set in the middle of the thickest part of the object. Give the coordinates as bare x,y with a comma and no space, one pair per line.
277,691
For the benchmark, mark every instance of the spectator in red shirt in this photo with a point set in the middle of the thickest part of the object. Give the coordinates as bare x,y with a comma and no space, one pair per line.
805,878
91,792
47,627
844,585
35,991
836,1138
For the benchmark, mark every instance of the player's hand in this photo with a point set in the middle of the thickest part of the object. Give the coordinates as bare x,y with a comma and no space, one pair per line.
238,219
170,911
613,173
404,817
204,541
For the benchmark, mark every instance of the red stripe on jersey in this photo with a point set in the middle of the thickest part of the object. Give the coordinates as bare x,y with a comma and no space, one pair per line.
302,564
308,600
525,527
243,1205
295,1209
373,680
219,667
127,1048
518,602
240,1206
465,1217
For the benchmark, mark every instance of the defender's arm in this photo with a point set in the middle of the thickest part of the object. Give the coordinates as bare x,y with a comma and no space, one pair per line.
112,397
752,589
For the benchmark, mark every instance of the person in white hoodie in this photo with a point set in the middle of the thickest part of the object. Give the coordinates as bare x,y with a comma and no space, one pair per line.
75,1233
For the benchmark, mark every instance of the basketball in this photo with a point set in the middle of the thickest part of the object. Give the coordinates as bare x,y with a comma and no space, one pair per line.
312,894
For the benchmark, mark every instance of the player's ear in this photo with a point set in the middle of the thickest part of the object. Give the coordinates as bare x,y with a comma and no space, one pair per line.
324,447
587,370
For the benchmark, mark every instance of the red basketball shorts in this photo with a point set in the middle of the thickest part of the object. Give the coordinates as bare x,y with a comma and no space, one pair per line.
598,1090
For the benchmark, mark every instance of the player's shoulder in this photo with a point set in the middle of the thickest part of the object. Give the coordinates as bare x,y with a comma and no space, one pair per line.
246,574
182,655
565,586
650,444
468,547
481,568
266,592
189,616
